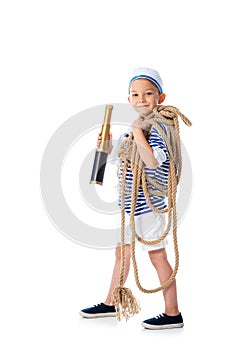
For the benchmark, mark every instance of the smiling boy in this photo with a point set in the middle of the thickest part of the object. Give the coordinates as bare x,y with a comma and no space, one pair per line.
146,92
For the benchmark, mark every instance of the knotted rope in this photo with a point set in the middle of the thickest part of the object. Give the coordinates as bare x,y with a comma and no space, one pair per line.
125,303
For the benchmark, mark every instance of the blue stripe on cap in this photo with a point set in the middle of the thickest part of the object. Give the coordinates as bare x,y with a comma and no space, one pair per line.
142,76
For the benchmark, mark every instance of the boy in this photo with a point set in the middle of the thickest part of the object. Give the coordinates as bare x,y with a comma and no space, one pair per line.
145,92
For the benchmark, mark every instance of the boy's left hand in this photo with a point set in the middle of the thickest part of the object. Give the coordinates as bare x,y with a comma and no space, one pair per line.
140,123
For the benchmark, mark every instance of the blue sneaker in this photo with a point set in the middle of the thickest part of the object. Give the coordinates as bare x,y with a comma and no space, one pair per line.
99,310
164,321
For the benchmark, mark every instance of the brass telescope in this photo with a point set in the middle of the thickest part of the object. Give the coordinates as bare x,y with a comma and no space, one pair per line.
101,154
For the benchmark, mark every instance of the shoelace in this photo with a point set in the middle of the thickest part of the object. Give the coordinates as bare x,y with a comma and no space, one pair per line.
100,304
159,316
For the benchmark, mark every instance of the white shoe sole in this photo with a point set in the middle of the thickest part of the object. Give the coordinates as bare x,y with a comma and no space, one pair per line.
101,315
165,326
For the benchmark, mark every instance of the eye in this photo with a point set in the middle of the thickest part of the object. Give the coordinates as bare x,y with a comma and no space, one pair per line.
149,93
134,95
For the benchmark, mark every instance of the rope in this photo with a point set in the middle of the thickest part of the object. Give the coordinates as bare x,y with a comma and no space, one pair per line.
125,303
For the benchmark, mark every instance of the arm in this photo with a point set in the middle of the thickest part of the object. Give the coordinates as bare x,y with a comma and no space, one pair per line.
144,149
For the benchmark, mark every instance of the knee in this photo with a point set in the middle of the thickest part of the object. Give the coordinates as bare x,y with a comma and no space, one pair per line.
127,252
158,257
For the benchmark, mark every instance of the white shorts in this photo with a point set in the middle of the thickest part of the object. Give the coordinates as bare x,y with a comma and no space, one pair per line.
149,226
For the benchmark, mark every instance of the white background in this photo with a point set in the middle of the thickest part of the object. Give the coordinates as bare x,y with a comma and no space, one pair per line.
59,58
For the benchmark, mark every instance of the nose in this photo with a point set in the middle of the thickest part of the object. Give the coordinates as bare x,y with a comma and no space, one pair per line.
142,98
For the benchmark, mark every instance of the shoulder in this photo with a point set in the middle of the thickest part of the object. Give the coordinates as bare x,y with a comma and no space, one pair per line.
156,140
154,135
154,131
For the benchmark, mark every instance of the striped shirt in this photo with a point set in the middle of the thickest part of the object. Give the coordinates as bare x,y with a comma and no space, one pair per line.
159,174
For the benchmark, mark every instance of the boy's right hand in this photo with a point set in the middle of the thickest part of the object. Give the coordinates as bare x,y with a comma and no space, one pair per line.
99,141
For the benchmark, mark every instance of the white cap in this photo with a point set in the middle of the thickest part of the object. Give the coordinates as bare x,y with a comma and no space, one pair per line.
147,73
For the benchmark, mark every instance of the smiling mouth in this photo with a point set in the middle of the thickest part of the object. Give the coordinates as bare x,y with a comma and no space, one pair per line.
142,109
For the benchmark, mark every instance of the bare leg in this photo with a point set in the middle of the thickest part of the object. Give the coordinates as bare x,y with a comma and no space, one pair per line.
116,271
164,270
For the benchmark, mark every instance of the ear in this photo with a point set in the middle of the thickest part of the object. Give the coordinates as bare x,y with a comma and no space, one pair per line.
129,99
161,98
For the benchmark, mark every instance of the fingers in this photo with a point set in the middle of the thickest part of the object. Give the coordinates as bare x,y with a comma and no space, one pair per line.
141,123
99,140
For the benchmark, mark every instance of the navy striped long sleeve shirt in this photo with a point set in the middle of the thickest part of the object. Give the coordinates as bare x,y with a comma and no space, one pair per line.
159,174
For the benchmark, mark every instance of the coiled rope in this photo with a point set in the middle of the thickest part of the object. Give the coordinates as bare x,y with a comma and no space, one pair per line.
125,303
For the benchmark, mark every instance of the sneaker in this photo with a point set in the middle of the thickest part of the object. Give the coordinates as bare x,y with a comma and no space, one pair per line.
164,321
99,310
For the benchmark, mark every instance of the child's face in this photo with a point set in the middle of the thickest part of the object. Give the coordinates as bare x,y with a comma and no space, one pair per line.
143,93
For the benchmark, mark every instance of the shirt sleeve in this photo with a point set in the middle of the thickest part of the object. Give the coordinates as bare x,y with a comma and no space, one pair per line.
159,154
158,145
